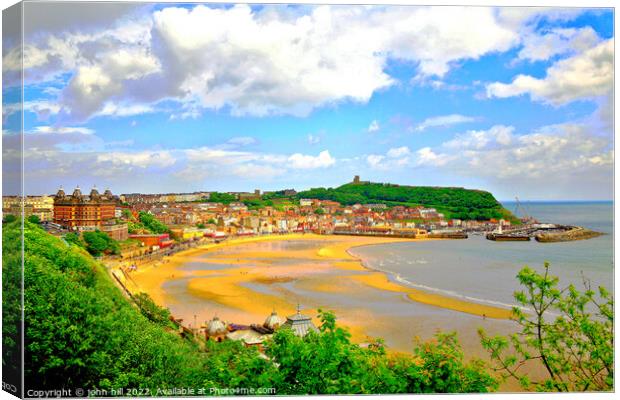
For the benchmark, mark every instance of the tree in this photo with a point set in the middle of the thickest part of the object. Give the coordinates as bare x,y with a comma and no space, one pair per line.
152,224
74,238
127,214
98,243
8,218
152,311
200,225
328,363
34,219
575,349
319,211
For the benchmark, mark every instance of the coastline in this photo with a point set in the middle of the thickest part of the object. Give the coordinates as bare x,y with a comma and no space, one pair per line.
232,287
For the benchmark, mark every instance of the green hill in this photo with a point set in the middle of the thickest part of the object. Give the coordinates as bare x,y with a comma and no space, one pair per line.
81,332
453,202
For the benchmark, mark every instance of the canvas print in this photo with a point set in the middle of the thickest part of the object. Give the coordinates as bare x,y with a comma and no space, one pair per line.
215,199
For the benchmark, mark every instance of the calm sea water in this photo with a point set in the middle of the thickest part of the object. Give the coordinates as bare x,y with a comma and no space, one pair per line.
485,271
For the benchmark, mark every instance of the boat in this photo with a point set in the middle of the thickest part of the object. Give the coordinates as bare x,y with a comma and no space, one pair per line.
508,237
500,236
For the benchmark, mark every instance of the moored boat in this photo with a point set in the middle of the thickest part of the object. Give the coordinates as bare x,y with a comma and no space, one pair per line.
508,237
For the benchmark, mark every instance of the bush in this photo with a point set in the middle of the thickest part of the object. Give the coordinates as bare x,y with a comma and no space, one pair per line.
34,219
98,243
82,332
575,349
8,218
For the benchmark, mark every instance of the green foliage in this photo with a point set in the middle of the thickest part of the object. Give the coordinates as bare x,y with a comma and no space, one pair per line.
211,221
457,203
155,313
257,204
11,301
575,348
200,225
75,239
127,214
152,224
224,198
82,332
319,211
34,219
8,218
98,243
328,363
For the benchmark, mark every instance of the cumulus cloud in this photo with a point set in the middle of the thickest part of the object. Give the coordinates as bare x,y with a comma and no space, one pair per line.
43,109
398,152
111,109
586,75
442,121
257,62
139,159
63,130
427,157
395,157
559,159
302,161
558,41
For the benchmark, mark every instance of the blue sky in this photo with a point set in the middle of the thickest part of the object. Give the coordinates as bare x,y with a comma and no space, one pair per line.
161,98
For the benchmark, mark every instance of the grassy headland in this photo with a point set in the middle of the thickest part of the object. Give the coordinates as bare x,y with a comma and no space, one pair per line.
453,202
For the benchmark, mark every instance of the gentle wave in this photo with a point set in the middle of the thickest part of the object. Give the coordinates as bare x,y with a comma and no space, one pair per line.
398,278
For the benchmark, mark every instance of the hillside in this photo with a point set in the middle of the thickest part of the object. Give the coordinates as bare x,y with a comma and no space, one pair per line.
452,201
81,332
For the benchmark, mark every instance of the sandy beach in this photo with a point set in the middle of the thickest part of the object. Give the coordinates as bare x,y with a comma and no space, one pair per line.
243,282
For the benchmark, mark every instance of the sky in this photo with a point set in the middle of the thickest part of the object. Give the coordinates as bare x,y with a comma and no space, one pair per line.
159,98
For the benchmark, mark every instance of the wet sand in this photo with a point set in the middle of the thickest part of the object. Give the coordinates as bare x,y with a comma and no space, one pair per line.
243,280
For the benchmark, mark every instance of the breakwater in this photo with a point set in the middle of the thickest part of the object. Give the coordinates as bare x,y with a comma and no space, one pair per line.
570,234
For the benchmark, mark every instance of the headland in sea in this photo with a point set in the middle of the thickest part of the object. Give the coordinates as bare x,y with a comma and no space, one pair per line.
243,280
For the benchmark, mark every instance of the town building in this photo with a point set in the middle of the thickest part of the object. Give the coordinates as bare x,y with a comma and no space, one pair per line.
300,324
80,212
41,206
154,240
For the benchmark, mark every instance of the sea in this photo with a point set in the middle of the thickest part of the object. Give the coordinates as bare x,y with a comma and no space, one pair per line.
485,271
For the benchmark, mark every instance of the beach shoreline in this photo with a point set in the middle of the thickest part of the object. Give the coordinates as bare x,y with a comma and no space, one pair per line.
151,277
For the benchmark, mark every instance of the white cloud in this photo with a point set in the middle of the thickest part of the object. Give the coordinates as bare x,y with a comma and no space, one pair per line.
584,76
398,152
92,87
125,110
42,108
558,41
394,158
62,130
140,159
443,120
496,135
566,160
375,160
302,161
426,156
259,62
374,126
